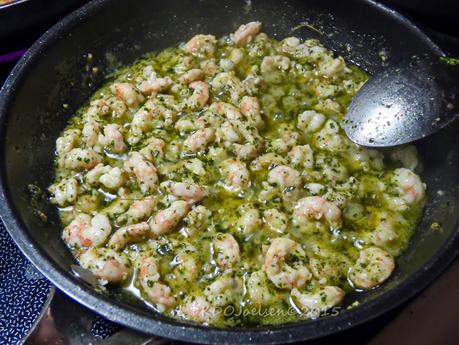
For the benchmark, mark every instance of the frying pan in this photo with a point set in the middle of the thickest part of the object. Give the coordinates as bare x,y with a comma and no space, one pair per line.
52,80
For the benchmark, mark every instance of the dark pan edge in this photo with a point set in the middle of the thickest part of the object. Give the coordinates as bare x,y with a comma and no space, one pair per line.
173,329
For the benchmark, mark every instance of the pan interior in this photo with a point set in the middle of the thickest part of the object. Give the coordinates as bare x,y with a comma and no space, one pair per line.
55,79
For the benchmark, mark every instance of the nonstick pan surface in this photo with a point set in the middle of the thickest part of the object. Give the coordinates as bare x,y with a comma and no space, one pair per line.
52,81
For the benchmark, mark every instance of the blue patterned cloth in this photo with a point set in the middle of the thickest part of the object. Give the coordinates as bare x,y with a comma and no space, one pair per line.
23,292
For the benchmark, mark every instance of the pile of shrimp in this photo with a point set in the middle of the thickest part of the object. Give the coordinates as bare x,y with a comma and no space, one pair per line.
217,174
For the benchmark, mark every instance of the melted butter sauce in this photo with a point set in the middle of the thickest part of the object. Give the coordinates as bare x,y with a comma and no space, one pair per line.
282,99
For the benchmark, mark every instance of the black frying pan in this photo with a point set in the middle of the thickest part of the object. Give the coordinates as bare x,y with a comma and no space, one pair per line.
53,73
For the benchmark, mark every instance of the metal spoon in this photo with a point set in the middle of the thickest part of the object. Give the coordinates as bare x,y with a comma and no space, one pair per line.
404,103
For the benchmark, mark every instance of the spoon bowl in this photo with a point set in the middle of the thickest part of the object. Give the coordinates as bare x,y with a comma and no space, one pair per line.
404,103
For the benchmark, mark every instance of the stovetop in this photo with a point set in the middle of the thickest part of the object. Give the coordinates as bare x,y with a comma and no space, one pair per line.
32,311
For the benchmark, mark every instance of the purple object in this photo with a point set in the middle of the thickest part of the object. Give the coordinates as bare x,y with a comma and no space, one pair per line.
12,56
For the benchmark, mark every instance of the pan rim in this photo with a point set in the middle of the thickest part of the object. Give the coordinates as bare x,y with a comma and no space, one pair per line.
170,328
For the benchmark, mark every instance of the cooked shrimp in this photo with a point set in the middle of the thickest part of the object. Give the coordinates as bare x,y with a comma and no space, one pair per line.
191,193
90,132
267,161
236,55
329,106
229,63
284,177
117,107
332,68
199,139
373,267
129,234
85,232
141,209
162,115
302,156
197,219
250,108
209,67
153,85
276,220
332,168
290,44
281,274
316,207
144,171
127,93
158,293
384,232
65,192
237,175
201,45
311,50
166,220
200,95
289,138
191,76
196,166
67,141
98,107
244,152
226,110
141,123
364,159
328,138
200,310
246,33
227,134
258,289
93,175
190,123
102,107
315,188
186,265
81,159
226,64
313,303
114,178
224,290
106,264
249,134
407,155
227,250
409,185
274,63
310,121
185,63
228,81
153,149
249,221
112,137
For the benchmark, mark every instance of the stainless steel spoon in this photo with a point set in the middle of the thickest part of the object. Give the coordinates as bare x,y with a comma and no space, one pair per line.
404,103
